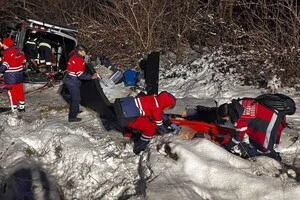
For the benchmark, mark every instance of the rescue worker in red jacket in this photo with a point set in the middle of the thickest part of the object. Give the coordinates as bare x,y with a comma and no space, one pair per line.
12,67
75,74
144,114
261,124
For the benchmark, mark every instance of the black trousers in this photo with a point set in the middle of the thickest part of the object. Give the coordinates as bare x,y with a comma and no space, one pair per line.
74,100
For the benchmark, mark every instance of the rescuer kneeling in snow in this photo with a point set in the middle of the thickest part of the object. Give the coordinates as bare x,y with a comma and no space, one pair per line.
144,115
262,124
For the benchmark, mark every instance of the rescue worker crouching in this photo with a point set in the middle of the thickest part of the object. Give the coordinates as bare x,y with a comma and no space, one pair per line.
261,124
76,73
144,114
12,67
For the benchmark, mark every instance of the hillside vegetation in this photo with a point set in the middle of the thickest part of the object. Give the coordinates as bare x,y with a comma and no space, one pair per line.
266,31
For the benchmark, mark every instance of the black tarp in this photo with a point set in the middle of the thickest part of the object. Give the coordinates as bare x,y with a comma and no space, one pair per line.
92,96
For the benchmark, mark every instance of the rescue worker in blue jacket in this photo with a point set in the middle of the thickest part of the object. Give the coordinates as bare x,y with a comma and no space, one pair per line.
76,73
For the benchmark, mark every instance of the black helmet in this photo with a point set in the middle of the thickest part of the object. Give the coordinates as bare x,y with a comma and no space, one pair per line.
81,47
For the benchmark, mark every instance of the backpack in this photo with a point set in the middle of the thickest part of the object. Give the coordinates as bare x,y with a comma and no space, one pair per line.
126,110
281,103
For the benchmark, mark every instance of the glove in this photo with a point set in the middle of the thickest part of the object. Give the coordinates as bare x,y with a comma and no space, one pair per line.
175,127
166,120
168,123
162,129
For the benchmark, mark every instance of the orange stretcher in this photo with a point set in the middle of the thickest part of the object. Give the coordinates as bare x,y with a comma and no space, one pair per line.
215,132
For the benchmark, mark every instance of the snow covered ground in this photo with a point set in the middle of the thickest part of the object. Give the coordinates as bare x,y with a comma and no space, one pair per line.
84,161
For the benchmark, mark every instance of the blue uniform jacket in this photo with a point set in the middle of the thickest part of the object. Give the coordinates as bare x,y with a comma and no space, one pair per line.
73,80
11,77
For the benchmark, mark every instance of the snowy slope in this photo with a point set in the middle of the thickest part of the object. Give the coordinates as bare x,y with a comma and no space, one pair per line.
87,162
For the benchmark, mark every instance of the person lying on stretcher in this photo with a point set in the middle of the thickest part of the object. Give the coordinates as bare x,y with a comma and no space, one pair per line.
202,121
262,125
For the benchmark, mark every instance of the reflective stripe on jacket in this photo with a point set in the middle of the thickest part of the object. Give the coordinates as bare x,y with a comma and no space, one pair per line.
261,124
12,65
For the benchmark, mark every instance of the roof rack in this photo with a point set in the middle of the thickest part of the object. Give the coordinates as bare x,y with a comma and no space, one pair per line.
32,23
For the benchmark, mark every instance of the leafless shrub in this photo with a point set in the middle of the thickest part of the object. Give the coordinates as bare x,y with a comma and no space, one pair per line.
126,30
273,29
131,29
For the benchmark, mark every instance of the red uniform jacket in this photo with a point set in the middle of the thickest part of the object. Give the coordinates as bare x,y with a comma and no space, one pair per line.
76,70
149,107
12,65
147,112
261,124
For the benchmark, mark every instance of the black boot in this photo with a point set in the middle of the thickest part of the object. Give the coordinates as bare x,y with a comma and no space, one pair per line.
140,145
229,145
76,119
21,110
136,134
275,155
